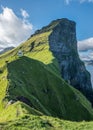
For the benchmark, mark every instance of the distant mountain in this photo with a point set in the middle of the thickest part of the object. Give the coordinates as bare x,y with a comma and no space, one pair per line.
39,83
6,49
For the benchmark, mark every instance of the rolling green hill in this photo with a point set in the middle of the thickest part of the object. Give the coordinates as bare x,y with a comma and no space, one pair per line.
31,87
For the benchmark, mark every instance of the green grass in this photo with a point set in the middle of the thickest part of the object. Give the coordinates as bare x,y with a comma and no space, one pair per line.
30,122
16,110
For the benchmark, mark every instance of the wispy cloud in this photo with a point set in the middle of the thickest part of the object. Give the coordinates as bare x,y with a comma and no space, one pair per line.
80,1
13,29
67,1
24,13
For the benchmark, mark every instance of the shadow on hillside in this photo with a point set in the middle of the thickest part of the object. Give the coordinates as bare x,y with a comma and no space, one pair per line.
19,73
27,82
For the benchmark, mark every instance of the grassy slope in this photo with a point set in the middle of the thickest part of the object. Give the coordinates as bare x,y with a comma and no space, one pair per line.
36,76
16,110
30,122
43,95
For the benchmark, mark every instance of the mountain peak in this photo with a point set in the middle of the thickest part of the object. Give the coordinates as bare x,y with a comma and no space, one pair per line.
54,24
63,44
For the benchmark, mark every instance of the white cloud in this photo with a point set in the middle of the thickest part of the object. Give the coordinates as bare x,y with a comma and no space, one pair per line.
81,1
13,30
85,45
24,13
85,48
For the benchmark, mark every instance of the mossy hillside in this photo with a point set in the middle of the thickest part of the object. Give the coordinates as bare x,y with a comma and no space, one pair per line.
35,81
30,79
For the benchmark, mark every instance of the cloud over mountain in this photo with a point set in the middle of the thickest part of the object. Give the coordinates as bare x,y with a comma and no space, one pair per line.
13,29
24,13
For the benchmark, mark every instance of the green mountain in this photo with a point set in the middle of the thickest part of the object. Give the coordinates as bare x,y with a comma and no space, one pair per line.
63,45
31,87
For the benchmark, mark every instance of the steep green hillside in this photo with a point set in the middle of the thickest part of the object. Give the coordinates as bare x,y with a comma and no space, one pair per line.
32,84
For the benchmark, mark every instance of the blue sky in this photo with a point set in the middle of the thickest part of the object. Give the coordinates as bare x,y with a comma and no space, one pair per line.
42,12
39,13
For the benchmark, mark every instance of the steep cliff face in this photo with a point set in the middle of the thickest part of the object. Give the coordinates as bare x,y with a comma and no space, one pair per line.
63,44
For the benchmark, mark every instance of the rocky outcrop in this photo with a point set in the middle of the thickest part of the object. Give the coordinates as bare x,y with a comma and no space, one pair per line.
63,44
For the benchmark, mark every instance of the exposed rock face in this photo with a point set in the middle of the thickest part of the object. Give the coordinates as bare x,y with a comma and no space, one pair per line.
63,44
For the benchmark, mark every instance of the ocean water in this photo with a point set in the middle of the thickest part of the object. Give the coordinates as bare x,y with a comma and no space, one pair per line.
90,70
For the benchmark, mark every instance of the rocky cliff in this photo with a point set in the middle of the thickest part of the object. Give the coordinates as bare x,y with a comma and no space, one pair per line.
63,44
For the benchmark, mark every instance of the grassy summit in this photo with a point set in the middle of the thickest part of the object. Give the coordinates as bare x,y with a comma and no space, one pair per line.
31,87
